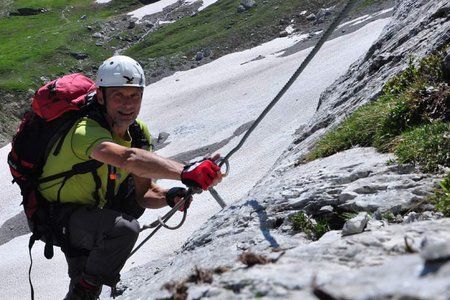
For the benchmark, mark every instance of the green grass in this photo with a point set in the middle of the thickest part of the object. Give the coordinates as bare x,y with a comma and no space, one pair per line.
40,45
217,26
410,119
359,129
441,197
427,146
313,229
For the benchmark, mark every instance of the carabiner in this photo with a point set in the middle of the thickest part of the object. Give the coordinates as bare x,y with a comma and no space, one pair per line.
222,161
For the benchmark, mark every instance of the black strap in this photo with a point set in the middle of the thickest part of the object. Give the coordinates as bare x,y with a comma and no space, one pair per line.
60,135
111,185
30,245
80,168
138,138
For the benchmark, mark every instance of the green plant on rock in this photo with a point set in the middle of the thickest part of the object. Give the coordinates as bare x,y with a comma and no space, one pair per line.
418,107
441,198
320,228
348,215
410,119
358,129
393,123
429,71
398,84
388,216
312,228
427,146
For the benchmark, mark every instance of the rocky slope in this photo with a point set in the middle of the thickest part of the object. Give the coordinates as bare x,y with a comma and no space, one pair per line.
250,250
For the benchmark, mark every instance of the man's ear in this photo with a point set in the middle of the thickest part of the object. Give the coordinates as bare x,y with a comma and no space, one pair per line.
100,98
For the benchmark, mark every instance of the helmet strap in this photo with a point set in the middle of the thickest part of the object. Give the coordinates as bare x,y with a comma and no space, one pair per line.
103,89
103,106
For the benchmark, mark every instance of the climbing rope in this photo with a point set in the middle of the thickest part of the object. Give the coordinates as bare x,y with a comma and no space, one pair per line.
161,222
294,77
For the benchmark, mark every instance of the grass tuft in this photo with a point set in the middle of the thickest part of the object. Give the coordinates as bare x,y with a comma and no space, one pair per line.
441,198
410,119
313,229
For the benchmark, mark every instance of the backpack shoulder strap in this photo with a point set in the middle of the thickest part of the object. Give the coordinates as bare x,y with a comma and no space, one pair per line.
138,137
95,111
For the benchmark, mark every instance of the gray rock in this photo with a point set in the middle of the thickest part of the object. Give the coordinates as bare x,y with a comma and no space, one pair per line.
162,137
131,25
283,33
207,52
241,8
435,249
26,11
356,224
79,55
245,5
97,35
311,17
148,24
199,56
248,3
322,14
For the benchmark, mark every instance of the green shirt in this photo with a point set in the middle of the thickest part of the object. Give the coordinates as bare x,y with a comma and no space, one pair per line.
77,148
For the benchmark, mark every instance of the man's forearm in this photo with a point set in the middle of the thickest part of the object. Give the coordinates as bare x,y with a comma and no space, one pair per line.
155,197
137,161
150,165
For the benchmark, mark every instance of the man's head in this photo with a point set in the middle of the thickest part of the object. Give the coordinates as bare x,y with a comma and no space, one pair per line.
120,84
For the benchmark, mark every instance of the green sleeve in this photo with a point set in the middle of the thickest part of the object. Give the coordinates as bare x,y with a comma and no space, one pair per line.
88,134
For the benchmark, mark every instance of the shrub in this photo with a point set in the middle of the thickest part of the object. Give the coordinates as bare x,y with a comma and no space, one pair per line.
428,72
401,82
427,146
312,228
407,119
441,198
358,129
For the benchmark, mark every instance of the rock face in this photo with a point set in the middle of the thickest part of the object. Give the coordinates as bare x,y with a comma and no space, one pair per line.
249,249
392,247
417,29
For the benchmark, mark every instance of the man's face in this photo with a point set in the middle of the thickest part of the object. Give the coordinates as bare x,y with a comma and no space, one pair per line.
122,104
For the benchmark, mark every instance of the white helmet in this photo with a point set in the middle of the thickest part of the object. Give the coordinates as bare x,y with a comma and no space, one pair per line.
119,71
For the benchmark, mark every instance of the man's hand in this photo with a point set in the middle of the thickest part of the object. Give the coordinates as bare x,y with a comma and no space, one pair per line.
201,174
175,194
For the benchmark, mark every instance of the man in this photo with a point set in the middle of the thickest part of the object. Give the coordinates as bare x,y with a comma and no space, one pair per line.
99,234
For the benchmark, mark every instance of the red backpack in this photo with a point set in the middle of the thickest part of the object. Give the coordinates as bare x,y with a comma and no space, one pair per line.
61,95
55,108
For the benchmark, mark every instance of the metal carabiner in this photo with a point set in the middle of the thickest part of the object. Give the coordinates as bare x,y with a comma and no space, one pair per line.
222,161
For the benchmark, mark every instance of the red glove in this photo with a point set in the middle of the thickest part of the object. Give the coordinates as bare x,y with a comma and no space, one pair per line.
200,174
